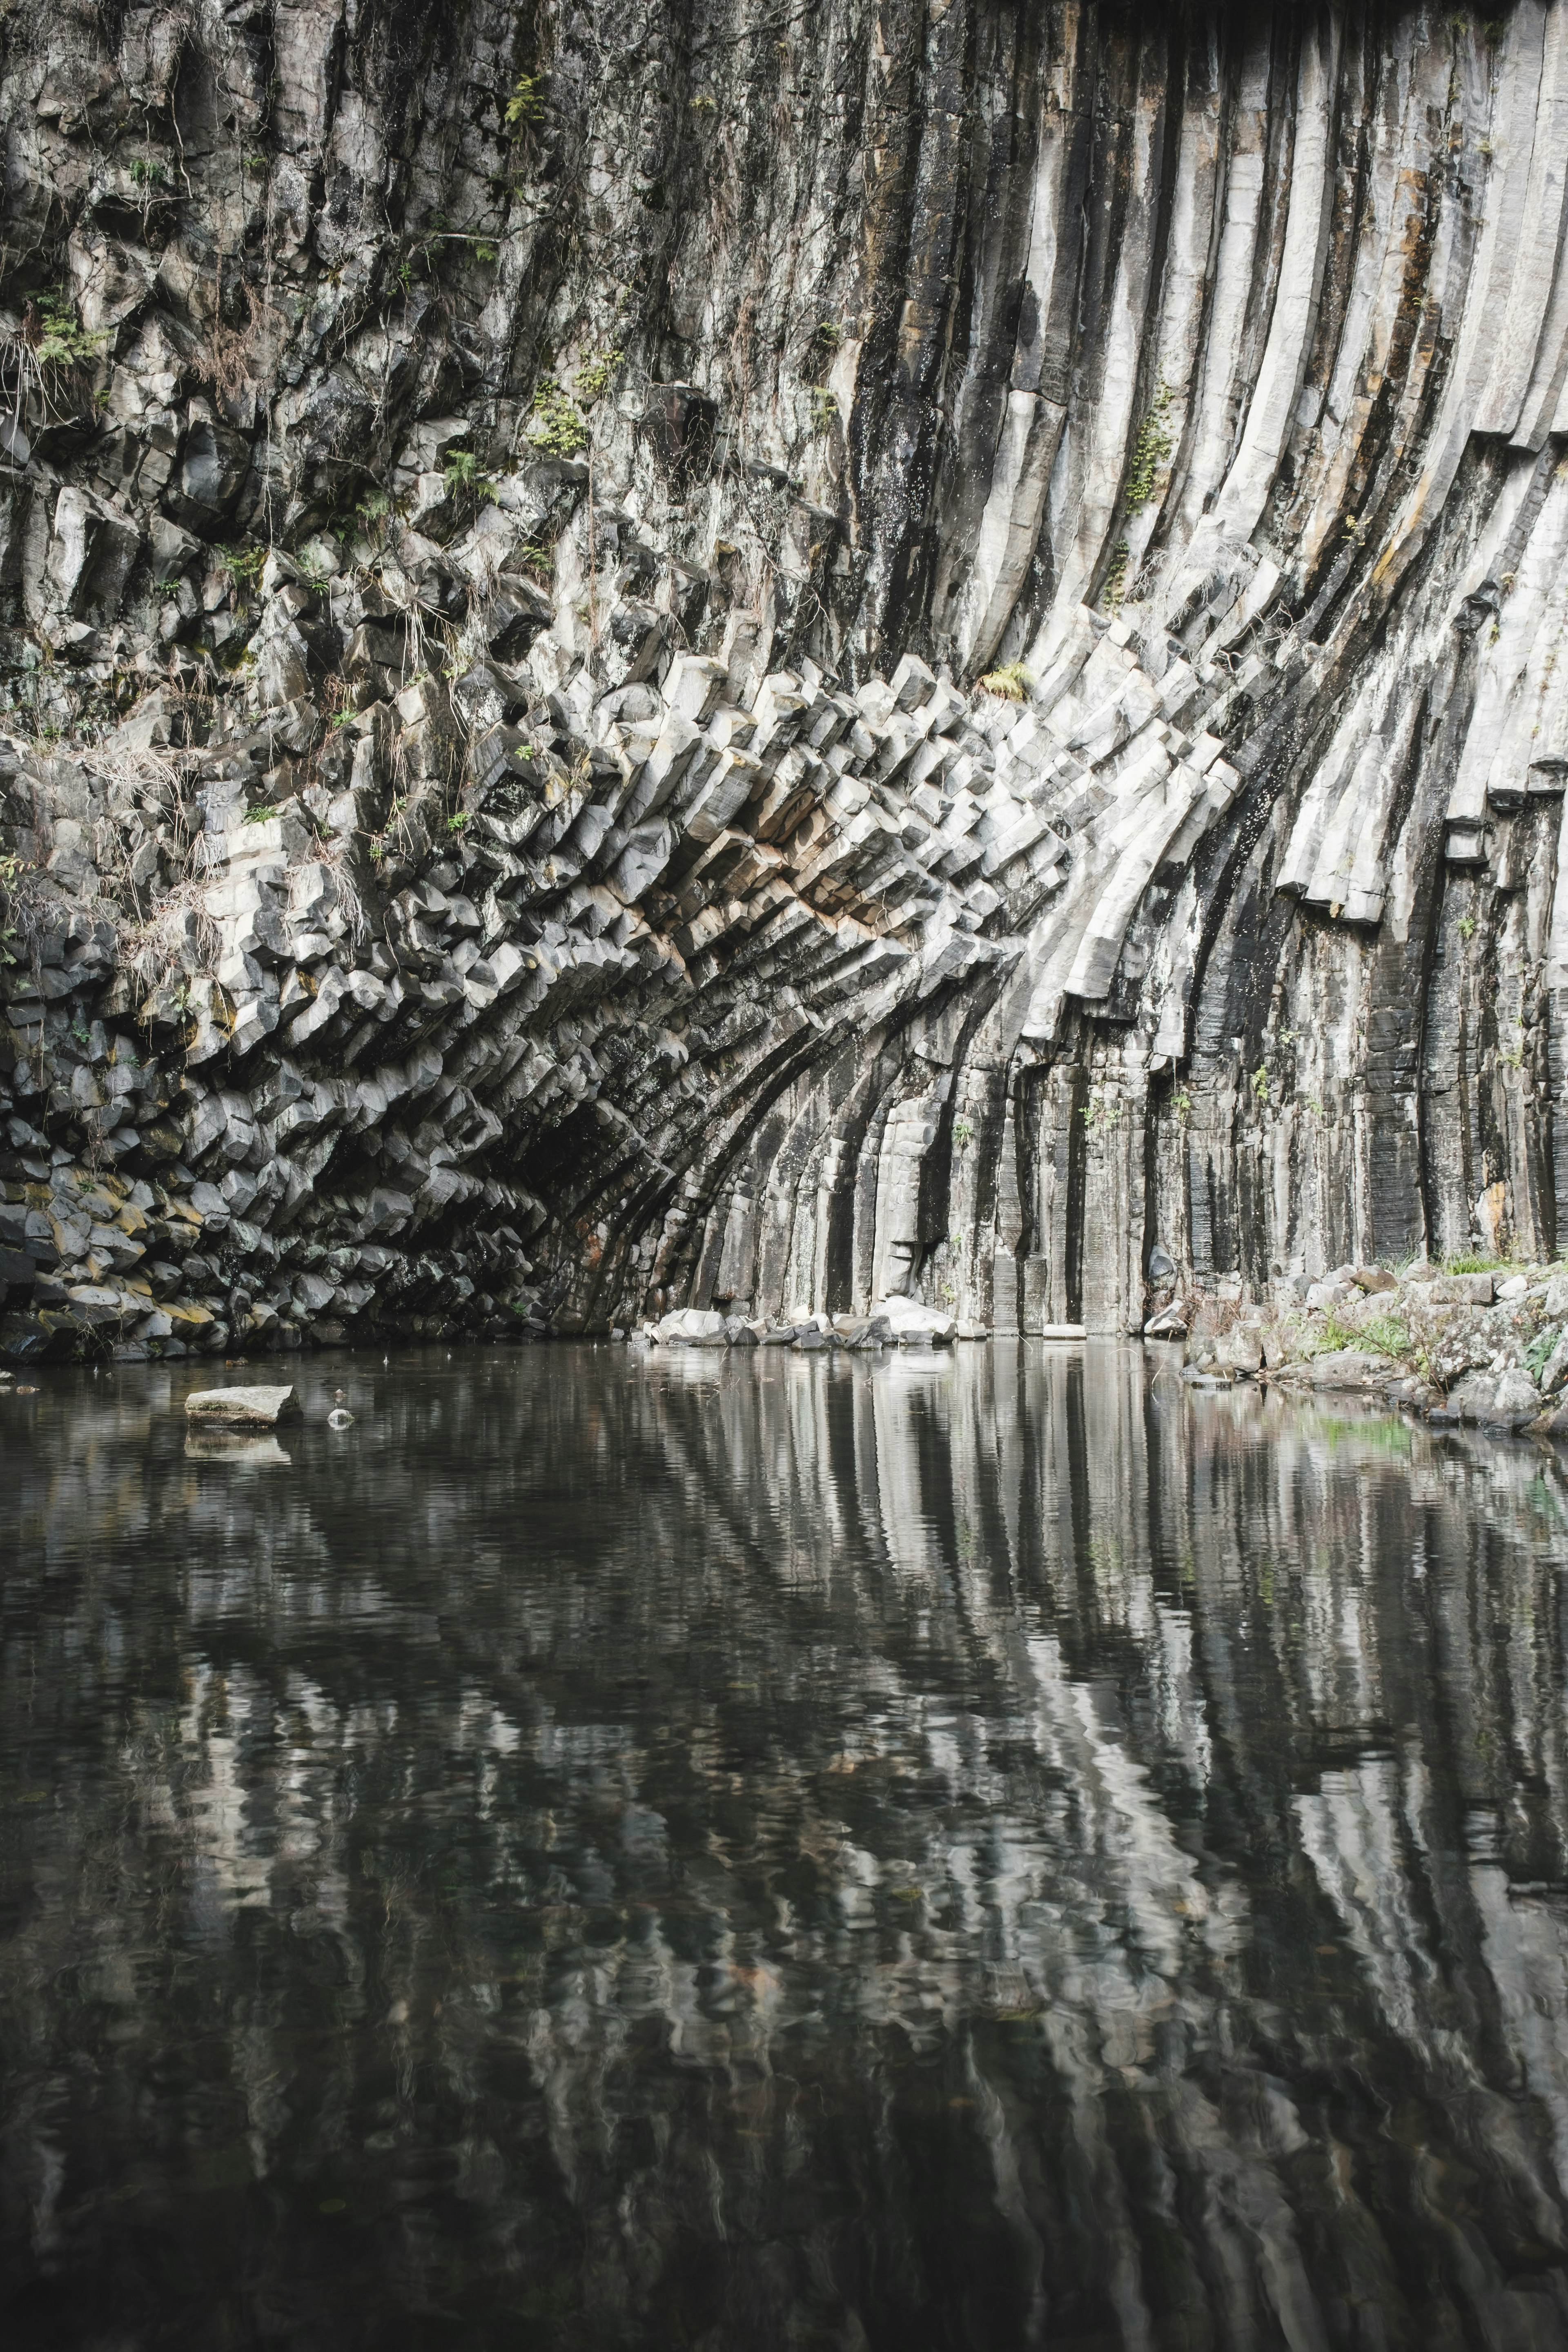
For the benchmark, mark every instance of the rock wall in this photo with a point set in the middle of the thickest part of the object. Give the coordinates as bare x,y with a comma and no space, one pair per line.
664,655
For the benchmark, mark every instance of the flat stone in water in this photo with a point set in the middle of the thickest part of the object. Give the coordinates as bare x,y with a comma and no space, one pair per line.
258,1406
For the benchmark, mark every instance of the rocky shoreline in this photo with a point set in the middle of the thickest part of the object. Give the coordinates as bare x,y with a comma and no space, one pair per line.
1482,1349
1486,1348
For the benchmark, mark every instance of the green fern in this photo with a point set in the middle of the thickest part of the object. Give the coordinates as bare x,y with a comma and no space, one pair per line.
63,340
526,104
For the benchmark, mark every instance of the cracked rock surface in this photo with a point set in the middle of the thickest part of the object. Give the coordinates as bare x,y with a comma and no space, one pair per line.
667,657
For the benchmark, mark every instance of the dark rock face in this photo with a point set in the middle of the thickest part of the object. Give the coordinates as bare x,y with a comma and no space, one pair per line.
505,523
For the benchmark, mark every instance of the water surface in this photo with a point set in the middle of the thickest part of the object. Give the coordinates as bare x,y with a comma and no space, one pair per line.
742,1851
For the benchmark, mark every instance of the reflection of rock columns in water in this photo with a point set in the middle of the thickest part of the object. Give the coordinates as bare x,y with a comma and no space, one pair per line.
1048,1721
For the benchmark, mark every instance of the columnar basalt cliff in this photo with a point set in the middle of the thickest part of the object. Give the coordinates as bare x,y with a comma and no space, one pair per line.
685,654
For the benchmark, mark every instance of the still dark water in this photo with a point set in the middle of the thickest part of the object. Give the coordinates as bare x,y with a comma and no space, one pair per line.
749,1851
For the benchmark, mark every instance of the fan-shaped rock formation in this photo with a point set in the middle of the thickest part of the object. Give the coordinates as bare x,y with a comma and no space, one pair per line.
679,656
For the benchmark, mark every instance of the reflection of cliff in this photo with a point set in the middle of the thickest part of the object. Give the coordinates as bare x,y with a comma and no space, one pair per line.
748,1851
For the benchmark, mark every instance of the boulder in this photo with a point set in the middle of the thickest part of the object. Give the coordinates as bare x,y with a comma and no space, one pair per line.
1504,1400
1471,1398
912,1324
23,1337
1555,1369
1373,1279
864,1331
1462,1290
1064,1331
1515,1401
1171,1323
245,1407
691,1327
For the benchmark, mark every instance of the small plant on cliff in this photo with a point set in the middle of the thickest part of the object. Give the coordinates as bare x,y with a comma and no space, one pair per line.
592,380
262,813
1102,1113
1150,451
1115,587
556,428
147,172
1012,682
60,339
1260,1084
1466,927
462,471
244,565
823,408
963,1133
368,520
526,103
11,870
